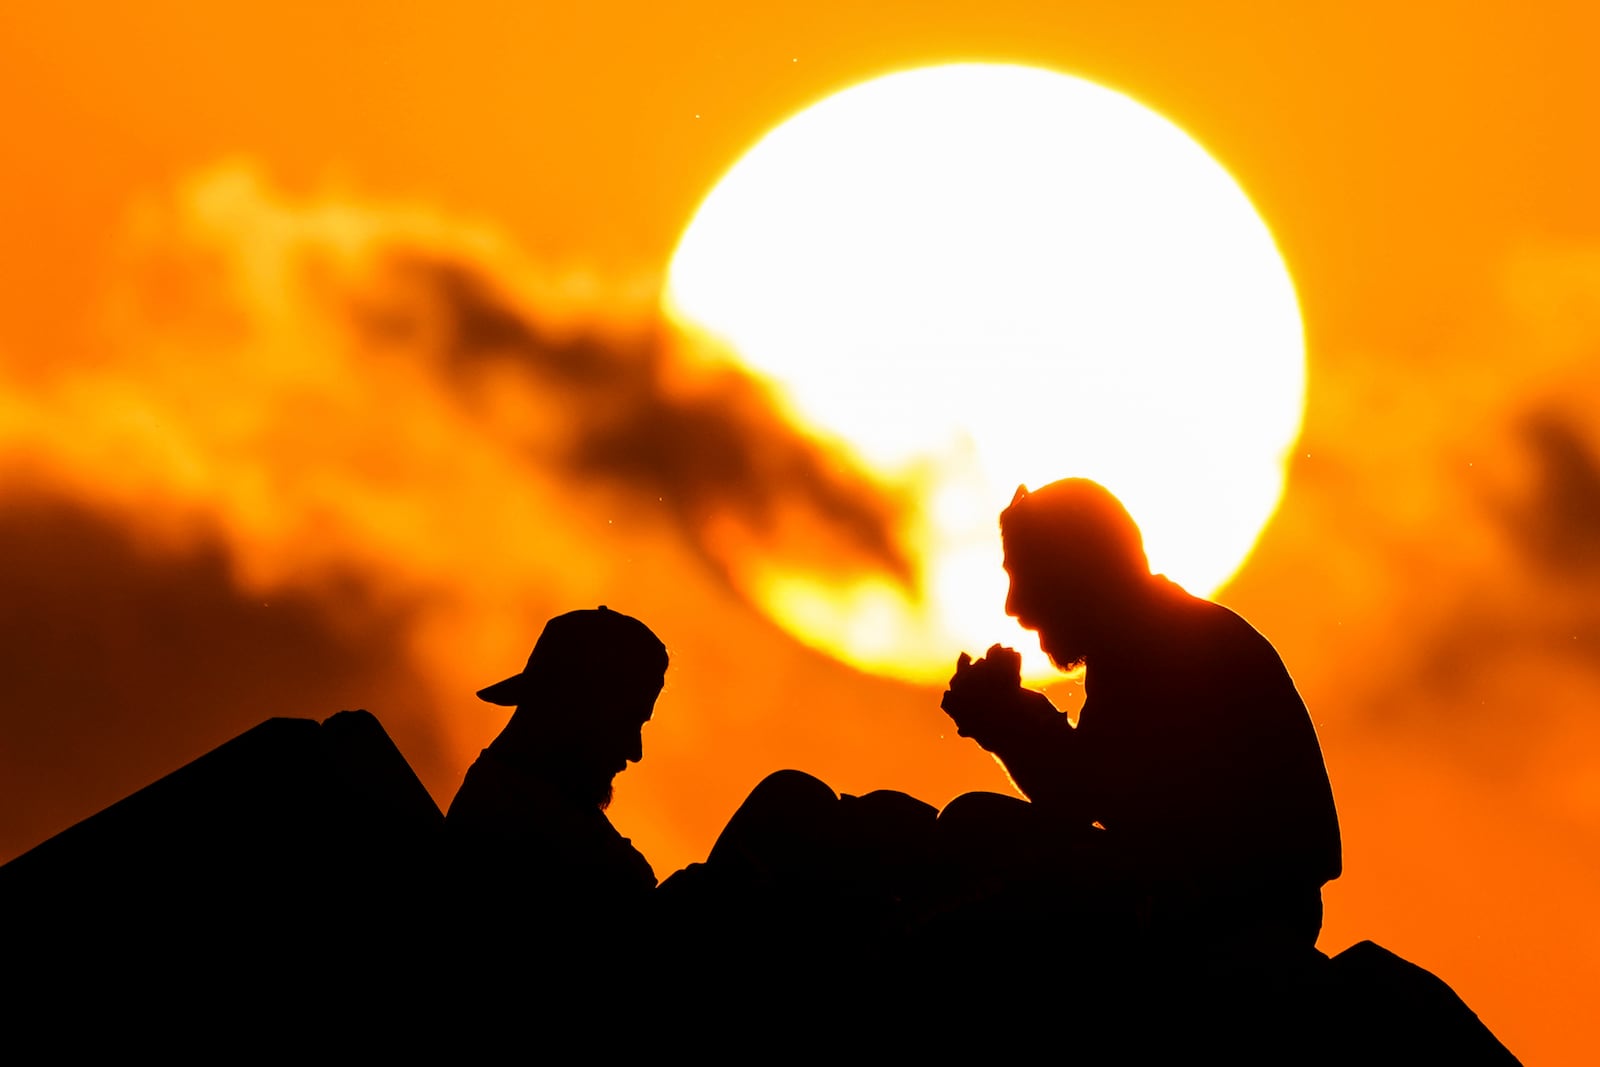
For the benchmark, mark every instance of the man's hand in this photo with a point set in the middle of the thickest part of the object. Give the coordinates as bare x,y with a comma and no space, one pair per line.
986,700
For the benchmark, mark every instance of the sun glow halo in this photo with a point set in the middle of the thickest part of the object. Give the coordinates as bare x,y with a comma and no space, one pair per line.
974,276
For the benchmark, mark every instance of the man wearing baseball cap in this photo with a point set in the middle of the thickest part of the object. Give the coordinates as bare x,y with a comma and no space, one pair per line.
527,831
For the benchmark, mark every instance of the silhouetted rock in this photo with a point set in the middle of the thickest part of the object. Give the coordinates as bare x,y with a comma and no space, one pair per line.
296,847
1392,1011
287,886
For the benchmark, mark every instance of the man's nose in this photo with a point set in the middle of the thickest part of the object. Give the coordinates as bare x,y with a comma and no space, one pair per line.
1011,601
636,748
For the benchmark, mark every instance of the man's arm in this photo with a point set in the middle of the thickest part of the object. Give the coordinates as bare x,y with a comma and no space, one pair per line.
1023,730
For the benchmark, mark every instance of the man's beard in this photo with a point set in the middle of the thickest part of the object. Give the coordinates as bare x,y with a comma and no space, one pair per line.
584,789
1076,665
1063,657
596,791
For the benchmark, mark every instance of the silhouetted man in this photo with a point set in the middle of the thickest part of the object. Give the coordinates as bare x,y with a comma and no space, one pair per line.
527,831
1193,749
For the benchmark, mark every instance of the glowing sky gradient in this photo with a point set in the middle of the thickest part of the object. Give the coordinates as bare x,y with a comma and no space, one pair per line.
317,429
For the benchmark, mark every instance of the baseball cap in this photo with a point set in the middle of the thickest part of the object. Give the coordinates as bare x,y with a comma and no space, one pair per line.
586,642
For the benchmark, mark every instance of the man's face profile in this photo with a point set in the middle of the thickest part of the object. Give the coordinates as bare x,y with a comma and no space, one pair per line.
621,710
1044,605
606,731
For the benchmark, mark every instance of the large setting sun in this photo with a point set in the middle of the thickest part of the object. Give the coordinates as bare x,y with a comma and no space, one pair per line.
967,277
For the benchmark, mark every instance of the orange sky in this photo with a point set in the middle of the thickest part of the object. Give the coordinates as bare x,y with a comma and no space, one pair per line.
291,300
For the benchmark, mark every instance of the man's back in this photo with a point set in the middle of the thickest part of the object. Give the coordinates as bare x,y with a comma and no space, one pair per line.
1202,755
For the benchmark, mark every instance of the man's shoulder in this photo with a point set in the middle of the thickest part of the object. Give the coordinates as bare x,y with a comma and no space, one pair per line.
1220,636
495,794
1202,614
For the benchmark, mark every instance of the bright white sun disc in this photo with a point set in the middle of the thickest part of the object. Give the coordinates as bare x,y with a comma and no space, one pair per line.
969,277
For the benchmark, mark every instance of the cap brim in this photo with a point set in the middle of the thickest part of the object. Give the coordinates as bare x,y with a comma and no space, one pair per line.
508,694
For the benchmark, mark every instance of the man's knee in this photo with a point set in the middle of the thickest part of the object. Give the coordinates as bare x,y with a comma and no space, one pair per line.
788,790
979,823
786,823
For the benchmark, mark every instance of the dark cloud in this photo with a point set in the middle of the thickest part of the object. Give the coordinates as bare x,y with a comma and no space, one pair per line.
383,452
727,453
1557,522
1531,597
1434,572
719,449
125,660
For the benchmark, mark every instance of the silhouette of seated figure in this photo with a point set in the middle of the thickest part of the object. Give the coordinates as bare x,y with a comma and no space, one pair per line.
527,833
1193,750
